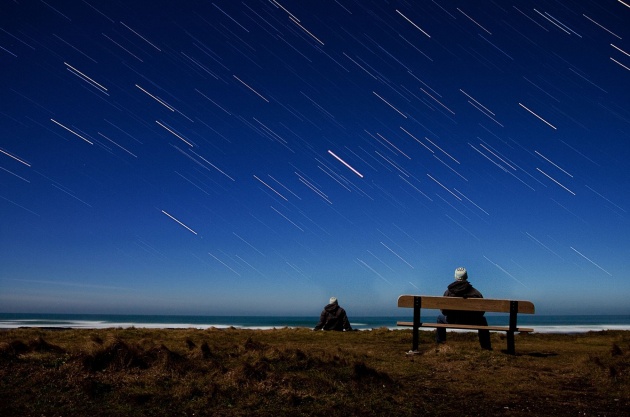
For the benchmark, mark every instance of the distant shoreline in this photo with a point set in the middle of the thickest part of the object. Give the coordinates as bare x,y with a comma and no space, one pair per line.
569,324
564,330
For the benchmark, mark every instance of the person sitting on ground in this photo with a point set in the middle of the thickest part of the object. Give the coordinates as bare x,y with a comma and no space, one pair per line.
462,288
333,317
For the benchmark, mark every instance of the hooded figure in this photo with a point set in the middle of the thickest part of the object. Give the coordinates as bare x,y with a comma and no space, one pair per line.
333,317
462,288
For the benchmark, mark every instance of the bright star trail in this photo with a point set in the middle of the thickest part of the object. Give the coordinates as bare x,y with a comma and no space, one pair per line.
180,223
260,156
345,163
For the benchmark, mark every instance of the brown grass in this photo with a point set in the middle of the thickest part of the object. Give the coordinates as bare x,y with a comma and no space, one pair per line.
138,372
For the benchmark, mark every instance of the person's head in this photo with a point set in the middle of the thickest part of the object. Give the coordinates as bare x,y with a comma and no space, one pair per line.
333,300
461,274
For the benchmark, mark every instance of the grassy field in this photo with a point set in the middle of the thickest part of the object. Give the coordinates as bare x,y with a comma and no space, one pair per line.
292,372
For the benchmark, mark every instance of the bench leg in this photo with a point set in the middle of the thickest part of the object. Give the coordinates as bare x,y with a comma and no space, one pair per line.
417,304
510,333
510,343
414,343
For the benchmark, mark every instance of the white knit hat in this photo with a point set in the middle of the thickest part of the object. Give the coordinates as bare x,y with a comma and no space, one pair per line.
333,300
461,274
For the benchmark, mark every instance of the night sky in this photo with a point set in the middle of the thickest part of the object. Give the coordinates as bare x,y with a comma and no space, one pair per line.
258,157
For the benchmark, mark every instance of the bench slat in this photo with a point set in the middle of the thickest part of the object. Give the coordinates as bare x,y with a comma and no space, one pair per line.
467,304
466,327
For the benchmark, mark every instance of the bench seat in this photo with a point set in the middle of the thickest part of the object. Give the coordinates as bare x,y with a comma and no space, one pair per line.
466,327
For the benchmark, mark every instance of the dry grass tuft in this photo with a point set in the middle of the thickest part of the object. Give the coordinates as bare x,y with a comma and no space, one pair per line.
117,356
615,365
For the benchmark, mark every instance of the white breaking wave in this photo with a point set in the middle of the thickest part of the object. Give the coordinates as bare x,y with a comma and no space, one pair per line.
87,324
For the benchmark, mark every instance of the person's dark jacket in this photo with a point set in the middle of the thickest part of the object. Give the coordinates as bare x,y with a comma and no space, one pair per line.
465,290
333,317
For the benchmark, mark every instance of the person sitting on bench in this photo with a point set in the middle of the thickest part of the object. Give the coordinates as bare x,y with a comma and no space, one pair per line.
462,288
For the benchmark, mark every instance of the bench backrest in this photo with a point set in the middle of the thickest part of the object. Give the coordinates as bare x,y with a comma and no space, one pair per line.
467,304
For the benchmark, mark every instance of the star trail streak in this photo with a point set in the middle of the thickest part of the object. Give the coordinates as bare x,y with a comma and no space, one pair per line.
546,122
271,188
389,104
159,100
180,223
250,88
579,253
71,131
345,163
15,157
414,25
554,180
174,133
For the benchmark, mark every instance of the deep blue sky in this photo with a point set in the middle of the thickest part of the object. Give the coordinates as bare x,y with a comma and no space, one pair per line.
257,157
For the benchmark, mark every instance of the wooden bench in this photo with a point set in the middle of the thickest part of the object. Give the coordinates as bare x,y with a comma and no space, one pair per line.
418,302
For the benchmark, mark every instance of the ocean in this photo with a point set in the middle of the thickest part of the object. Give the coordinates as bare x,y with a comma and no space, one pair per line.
540,323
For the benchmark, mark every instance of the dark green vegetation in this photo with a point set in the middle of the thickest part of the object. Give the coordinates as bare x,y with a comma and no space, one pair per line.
138,372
